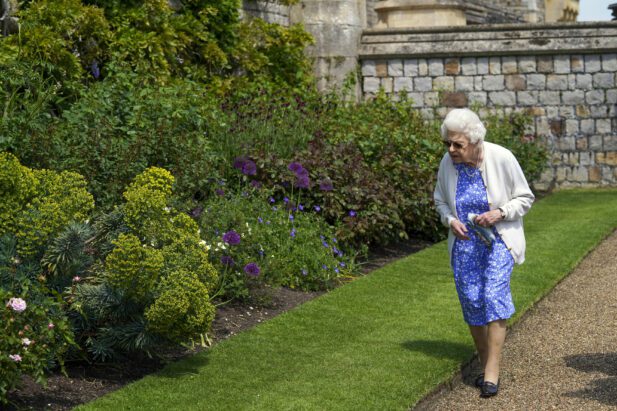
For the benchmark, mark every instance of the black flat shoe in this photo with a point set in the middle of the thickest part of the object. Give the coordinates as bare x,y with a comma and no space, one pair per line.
489,389
479,381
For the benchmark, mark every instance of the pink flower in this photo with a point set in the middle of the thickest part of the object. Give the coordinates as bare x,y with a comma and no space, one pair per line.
50,326
17,304
76,279
15,357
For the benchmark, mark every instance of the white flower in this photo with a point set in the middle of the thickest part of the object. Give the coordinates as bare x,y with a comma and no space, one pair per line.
26,341
167,209
15,357
17,304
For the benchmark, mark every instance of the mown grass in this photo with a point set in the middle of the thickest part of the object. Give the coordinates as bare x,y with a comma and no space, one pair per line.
381,342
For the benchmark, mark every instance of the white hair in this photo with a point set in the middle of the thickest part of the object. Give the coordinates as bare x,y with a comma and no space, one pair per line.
463,120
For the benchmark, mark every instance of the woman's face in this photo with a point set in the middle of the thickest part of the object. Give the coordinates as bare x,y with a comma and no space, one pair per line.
459,147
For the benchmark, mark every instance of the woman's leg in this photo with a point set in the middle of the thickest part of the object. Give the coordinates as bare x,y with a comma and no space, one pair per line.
496,335
480,339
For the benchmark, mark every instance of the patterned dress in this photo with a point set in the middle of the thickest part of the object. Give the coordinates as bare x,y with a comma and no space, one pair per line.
481,272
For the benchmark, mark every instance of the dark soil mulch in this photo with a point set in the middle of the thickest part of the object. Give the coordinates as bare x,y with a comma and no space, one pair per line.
85,382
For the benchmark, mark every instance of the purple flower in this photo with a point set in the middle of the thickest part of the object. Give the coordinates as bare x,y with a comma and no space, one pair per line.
196,212
291,217
325,244
302,173
227,260
249,168
239,162
352,213
231,237
303,181
261,220
271,199
336,270
325,267
326,185
317,208
252,269
286,200
295,167
17,304
300,207
96,71
255,184
342,264
293,232
219,192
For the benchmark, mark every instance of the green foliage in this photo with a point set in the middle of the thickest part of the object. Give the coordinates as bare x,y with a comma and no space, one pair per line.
39,203
293,248
120,127
511,132
153,283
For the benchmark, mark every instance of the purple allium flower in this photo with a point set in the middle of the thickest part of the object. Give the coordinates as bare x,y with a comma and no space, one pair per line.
293,232
303,181
295,167
255,184
239,162
325,185
252,269
15,357
302,173
17,304
317,208
231,237
352,213
95,70
249,168
196,212
219,192
227,260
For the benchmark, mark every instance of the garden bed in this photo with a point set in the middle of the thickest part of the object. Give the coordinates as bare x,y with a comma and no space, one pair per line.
86,382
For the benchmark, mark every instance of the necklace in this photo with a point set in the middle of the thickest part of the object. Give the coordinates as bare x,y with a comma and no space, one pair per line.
469,170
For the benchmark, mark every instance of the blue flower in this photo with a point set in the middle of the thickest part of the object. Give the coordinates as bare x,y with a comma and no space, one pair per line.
352,213
317,208
261,220
300,207
325,267
342,264
291,217
293,232
96,71
271,199
325,244
286,200
336,270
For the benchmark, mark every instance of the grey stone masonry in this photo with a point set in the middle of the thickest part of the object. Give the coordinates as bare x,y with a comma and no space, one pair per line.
563,75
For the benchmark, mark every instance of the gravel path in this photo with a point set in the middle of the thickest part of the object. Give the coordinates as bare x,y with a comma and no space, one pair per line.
562,355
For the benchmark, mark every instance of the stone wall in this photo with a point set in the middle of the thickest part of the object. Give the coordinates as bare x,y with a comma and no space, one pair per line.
564,75
270,11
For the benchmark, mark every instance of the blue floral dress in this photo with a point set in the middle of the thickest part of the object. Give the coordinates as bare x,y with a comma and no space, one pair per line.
481,272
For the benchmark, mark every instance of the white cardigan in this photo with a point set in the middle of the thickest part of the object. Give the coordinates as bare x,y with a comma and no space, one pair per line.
506,188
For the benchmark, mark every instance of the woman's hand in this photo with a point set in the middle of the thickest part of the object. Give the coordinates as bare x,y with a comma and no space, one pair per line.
459,230
489,218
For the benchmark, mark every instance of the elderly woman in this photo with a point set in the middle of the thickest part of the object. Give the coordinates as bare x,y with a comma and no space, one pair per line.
482,196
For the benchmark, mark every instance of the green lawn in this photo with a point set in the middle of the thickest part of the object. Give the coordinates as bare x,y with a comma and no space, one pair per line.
379,343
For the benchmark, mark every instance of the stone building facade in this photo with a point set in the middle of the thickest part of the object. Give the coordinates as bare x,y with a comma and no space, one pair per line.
565,76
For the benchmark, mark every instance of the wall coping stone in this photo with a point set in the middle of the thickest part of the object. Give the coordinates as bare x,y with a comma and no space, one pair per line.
490,40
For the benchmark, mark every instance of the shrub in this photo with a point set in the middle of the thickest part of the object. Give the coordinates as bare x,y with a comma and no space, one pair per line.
120,127
153,284
35,332
39,203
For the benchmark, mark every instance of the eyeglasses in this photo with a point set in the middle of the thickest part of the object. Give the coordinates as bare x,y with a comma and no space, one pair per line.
455,144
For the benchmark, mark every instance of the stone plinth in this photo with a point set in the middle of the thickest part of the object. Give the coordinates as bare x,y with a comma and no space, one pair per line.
420,13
